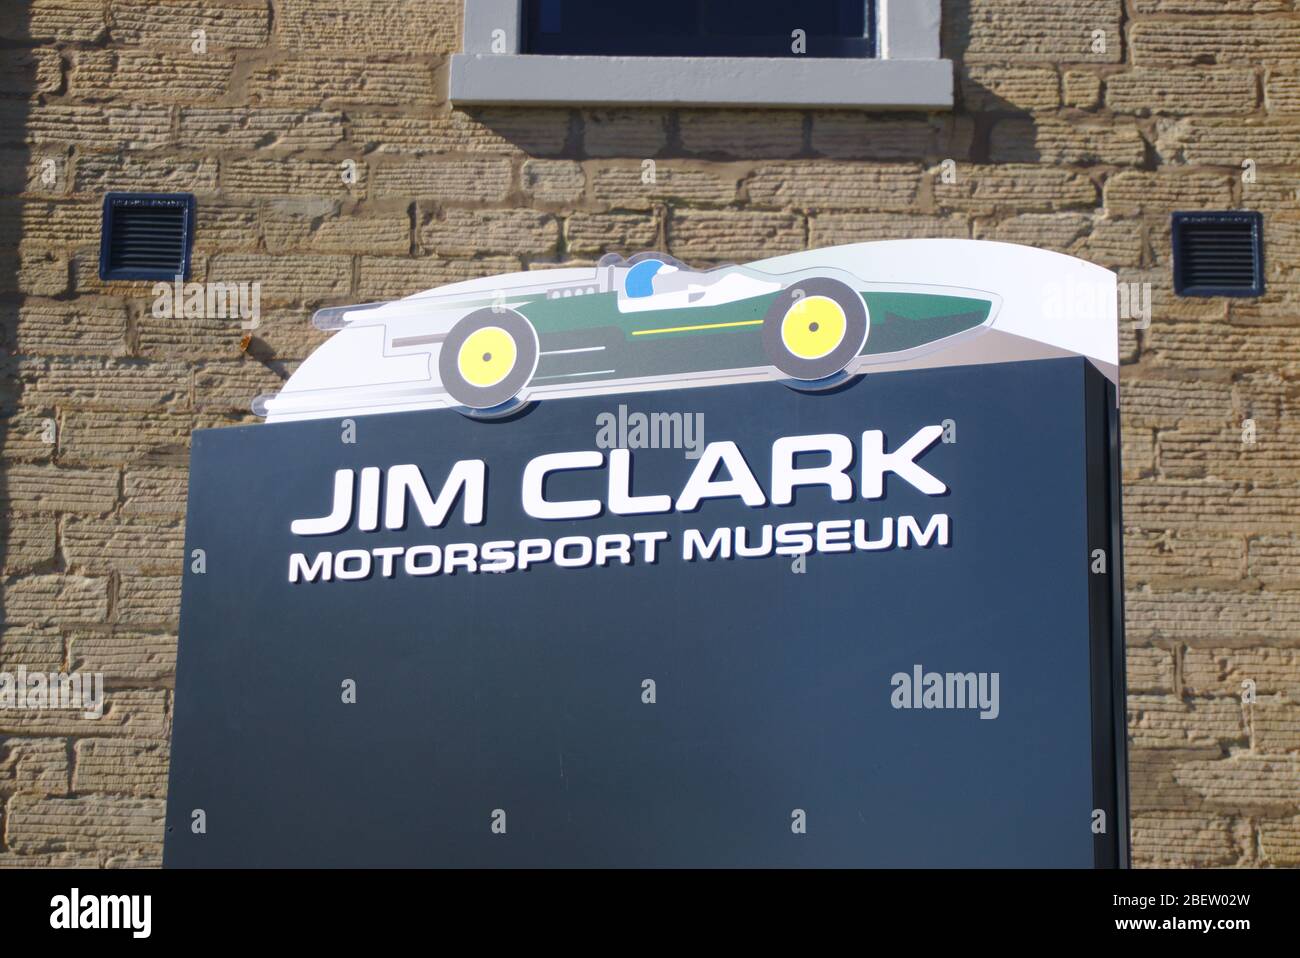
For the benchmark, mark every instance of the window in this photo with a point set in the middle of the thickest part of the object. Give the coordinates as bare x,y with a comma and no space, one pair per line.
1218,254
864,54
700,28
146,236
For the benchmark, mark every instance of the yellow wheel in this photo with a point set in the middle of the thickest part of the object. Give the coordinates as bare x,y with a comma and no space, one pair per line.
815,328
488,357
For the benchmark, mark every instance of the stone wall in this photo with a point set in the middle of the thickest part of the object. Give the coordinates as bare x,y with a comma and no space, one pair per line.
329,168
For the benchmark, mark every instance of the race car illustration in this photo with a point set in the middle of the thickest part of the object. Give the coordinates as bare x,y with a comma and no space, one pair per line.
647,322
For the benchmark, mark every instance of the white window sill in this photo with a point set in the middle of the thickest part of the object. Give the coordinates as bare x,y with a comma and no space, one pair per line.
523,80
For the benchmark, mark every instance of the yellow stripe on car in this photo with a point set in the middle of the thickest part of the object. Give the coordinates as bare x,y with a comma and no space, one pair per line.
687,329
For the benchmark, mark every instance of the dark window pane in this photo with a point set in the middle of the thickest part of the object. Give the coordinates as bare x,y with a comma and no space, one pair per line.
738,28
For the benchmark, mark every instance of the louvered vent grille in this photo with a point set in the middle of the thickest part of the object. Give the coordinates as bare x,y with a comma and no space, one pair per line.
146,236
1218,254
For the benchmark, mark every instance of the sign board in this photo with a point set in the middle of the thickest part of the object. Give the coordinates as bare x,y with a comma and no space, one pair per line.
697,605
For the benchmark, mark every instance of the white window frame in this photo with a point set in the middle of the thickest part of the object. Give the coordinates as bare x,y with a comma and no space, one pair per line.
907,74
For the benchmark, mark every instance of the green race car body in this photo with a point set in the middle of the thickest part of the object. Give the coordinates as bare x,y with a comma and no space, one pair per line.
644,323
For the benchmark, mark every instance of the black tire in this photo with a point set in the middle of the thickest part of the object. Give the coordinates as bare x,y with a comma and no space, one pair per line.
487,396
856,326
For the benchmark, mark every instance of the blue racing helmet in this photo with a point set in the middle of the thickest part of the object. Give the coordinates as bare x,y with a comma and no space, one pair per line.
639,279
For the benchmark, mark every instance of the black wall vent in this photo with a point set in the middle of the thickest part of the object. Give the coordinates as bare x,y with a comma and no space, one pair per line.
1218,254
146,236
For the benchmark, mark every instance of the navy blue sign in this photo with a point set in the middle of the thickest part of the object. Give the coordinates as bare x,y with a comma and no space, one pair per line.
726,626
